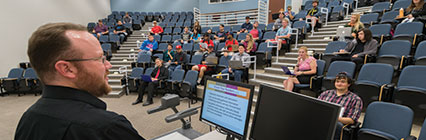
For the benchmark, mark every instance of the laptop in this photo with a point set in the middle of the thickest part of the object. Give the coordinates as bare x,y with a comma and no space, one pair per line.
146,78
343,32
286,70
236,64
211,60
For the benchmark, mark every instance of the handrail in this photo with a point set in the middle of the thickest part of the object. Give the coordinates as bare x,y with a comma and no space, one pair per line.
325,11
295,31
346,5
121,70
270,46
253,60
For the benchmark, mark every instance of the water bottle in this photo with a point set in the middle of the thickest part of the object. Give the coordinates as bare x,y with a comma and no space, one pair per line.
401,13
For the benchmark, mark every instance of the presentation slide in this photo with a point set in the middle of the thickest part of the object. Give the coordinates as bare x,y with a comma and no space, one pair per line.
226,105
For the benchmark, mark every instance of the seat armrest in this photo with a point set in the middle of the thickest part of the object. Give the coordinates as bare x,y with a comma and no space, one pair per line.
387,93
410,138
316,84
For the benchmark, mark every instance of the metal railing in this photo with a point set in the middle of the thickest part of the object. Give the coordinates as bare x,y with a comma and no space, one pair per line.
325,11
123,70
295,31
232,17
347,6
272,46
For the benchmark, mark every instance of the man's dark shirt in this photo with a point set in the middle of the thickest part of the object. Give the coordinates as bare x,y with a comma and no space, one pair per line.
180,58
64,113
358,48
164,73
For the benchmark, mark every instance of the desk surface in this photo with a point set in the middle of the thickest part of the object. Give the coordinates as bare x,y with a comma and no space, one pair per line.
214,135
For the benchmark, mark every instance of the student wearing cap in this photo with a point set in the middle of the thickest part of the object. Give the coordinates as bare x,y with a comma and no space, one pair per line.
204,44
156,30
351,102
313,13
179,59
169,55
202,68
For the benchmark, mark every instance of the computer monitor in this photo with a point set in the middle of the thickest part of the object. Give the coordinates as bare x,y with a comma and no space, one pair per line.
227,105
281,114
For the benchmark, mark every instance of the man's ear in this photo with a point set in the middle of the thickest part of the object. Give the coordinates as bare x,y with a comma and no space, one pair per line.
66,69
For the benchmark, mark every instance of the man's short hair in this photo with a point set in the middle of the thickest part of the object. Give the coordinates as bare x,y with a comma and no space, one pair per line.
221,25
289,7
49,44
315,1
247,17
286,20
343,75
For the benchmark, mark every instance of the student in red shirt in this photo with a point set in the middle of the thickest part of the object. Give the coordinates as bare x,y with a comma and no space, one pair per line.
156,29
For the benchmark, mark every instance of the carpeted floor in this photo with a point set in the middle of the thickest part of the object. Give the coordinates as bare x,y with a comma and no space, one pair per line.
148,126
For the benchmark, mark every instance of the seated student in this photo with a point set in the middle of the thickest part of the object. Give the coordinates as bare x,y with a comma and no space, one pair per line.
179,59
229,44
282,34
186,36
220,35
120,30
306,68
355,23
205,44
364,44
255,32
289,14
195,36
127,18
169,55
211,34
156,30
159,73
313,14
415,12
100,29
278,22
246,26
351,102
240,56
149,45
197,26
249,44
202,68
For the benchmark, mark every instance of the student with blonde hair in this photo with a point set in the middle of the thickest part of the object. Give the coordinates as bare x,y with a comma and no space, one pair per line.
355,23
305,68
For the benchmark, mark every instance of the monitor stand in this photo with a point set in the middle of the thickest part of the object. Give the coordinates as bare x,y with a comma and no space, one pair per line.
231,137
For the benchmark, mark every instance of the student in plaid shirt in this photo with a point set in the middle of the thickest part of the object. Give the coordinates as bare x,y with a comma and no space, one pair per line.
348,100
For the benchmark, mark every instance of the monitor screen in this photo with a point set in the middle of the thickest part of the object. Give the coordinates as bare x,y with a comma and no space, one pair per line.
227,104
281,114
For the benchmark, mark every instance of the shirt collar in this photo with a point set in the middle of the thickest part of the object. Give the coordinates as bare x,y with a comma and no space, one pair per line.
60,92
346,94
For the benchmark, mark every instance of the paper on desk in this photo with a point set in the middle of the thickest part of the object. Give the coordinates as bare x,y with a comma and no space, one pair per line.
174,136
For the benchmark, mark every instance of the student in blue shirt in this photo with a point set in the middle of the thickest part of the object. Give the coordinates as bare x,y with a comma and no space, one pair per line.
148,46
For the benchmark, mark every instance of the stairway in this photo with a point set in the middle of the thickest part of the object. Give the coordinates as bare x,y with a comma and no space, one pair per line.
122,58
317,42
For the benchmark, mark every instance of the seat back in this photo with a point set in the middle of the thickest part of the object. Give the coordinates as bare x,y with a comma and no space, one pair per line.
157,37
389,16
341,66
401,4
136,72
176,37
221,46
308,5
204,29
301,14
422,135
148,71
338,9
270,26
241,36
15,73
158,55
262,27
377,73
409,28
187,47
215,29
390,118
166,38
178,74
223,61
269,35
143,58
196,59
103,38
335,46
263,47
30,74
379,7
177,30
378,30
320,67
413,76
191,77
420,51
395,47
236,28
106,47
368,18
114,38
162,47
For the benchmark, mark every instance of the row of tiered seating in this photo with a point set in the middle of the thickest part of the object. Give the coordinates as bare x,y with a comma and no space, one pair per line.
20,81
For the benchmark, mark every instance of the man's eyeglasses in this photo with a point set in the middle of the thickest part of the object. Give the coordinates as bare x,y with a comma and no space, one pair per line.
103,59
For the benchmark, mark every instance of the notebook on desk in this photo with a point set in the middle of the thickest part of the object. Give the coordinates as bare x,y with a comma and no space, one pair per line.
286,70
211,60
146,78
236,64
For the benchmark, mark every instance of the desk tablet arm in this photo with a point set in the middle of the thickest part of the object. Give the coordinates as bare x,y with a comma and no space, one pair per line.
180,115
168,101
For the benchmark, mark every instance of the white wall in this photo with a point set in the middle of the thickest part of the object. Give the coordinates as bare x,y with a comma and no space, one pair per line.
154,5
19,18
